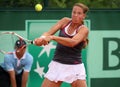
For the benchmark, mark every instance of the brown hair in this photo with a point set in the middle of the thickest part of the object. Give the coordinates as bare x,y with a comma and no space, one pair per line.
84,7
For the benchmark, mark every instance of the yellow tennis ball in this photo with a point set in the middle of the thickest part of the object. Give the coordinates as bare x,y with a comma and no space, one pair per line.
38,7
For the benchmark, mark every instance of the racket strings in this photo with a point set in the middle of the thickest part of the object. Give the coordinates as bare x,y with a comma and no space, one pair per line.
7,42
12,40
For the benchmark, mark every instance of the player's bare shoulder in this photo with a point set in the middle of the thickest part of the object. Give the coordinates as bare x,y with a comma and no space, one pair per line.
65,21
83,28
86,28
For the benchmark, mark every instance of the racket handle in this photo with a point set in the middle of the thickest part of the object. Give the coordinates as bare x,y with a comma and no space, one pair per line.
32,42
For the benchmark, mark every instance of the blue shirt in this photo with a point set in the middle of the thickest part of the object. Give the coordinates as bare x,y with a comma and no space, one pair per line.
11,62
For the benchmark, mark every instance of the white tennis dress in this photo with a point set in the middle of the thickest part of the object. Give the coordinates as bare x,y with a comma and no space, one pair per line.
66,67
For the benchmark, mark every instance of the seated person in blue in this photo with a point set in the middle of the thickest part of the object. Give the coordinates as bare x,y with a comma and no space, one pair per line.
14,71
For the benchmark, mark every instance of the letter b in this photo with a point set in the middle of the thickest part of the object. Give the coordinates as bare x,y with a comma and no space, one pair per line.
115,52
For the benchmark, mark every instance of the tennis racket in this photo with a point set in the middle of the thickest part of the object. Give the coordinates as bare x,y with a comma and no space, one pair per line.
8,39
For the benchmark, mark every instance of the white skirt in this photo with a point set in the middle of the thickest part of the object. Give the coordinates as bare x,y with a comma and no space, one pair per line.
64,72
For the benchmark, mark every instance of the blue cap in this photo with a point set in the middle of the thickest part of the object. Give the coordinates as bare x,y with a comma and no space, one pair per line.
19,43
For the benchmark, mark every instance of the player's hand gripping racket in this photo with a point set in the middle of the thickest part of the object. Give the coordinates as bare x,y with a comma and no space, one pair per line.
8,39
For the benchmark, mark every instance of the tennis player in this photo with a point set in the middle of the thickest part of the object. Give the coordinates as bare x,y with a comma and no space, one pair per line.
67,65
14,71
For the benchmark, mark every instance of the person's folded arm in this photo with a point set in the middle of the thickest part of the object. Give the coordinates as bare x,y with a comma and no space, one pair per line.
71,42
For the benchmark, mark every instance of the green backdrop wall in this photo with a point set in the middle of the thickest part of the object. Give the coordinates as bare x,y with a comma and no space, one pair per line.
103,52
43,54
